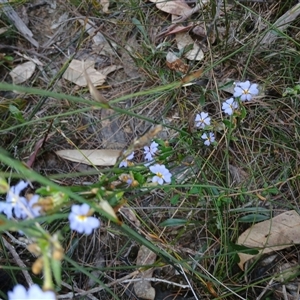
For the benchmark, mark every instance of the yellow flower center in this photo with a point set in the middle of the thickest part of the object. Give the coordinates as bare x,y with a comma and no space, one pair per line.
246,92
81,218
159,175
14,200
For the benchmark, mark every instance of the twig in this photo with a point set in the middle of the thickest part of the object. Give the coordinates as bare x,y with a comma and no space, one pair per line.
189,285
16,241
18,260
183,286
77,290
97,289
265,289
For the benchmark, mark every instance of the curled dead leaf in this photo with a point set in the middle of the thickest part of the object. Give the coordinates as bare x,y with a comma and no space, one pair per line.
75,73
176,64
271,235
183,40
22,72
102,157
175,7
94,92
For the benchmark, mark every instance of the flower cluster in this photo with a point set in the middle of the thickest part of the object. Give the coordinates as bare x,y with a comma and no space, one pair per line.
245,91
81,221
17,205
202,120
162,174
126,161
34,292
150,151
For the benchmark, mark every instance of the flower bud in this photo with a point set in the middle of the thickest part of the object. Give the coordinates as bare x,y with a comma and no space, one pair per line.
38,266
4,186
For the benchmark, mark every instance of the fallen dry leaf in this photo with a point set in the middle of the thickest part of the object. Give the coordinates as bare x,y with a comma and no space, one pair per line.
130,215
175,63
75,73
107,70
176,7
275,234
93,90
22,72
183,40
143,288
179,29
100,42
102,157
105,5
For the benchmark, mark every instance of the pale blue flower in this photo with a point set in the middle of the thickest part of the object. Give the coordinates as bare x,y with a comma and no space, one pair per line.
150,151
124,162
229,106
161,174
19,206
34,293
209,138
80,220
202,120
14,202
245,90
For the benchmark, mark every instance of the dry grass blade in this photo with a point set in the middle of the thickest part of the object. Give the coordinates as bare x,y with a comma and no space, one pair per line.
97,96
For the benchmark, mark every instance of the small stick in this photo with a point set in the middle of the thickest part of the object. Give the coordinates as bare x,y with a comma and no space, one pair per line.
18,260
97,289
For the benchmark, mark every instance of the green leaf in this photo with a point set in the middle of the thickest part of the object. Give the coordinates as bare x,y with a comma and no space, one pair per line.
174,199
226,85
273,190
195,190
141,28
228,124
173,222
56,269
139,178
243,112
253,218
242,249
202,99
16,113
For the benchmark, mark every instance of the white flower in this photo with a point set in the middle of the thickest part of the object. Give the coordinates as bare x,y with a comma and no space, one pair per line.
80,221
19,205
229,106
150,151
124,162
245,90
210,138
202,120
34,293
161,174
